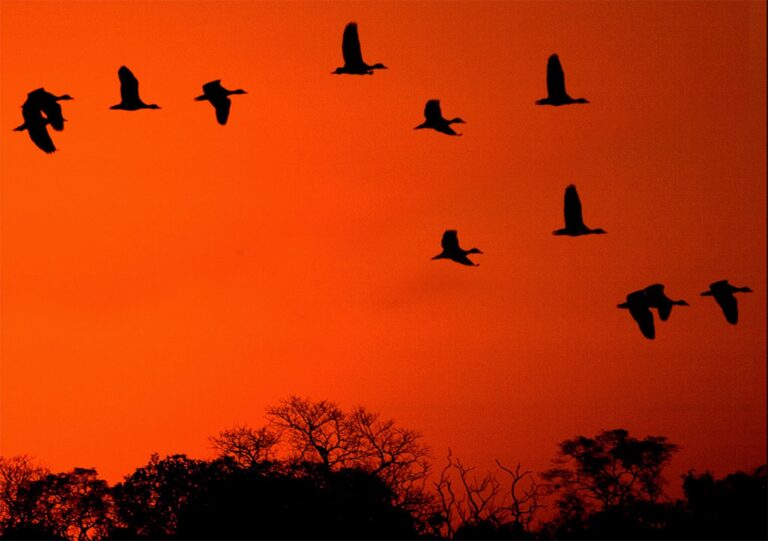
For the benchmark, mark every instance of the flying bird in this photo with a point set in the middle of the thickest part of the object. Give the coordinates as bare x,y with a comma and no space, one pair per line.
35,123
656,298
217,95
639,309
574,223
452,251
723,292
556,94
49,104
353,56
129,92
435,120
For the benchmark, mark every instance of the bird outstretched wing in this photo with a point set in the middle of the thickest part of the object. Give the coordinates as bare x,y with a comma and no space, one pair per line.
555,78
573,218
129,85
350,46
729,306
450,240
644,318
222,106
212,87
40,136
432,111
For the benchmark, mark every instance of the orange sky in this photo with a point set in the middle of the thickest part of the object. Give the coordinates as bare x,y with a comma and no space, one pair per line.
164,278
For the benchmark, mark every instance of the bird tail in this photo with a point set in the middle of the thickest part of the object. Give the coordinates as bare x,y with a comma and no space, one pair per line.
20,128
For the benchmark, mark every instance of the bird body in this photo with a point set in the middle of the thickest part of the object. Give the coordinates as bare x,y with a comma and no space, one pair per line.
217,95
434,119
574,222
658,299
556,94
49,104
129,93
41,109
452,251
723,292
639,308
353,56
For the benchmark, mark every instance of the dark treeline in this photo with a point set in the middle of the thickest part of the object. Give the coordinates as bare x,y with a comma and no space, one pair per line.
318,472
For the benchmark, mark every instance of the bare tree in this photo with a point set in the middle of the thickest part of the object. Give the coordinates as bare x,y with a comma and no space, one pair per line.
480,506
393,453
248,447
316,430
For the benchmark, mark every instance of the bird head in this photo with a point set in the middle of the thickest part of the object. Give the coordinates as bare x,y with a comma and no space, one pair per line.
599,231
456,120
239,91
338,71
474,251
66,97
153,106
379,66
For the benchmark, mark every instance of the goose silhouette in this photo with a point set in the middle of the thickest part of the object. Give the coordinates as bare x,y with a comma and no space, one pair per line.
35,123
637,303
574,223
218,96
556,94
49,104
353,56
656,298
451,250
723,292
129,92
434,119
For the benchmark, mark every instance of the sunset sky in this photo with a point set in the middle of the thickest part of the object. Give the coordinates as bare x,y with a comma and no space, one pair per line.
164,278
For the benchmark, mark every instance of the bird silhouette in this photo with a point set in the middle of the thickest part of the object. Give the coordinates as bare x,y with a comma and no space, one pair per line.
723,292
435,120
353,56
49,104
574,223
658,299
451,250
217,95
556,94
129,92
639,309
35,123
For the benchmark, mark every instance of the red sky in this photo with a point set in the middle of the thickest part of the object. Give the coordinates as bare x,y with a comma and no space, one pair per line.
164,278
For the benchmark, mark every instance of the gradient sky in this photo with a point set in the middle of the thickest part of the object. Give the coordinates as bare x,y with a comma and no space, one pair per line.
164,278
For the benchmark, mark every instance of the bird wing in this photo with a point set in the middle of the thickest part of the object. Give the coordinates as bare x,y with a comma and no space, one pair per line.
730,307
350,46
129,85
573,218
40,136
222,106
450,240
644,318
212,87
555,78
432,111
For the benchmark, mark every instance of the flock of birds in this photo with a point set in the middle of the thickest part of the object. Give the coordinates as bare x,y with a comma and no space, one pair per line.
42,109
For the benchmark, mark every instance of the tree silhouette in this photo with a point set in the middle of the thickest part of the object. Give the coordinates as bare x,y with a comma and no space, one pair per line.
16,474
150,499
478,507
609,485
730,508
75,505
247,447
